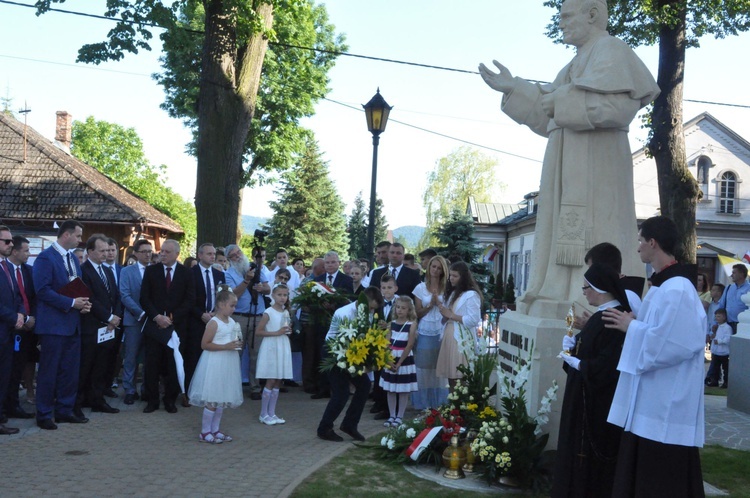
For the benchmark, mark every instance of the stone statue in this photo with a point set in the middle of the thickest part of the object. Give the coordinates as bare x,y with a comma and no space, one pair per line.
586,191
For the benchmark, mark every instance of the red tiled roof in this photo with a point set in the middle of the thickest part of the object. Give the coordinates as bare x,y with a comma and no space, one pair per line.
53,185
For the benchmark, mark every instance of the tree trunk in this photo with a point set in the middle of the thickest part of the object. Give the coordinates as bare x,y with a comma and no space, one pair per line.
678,190
230,79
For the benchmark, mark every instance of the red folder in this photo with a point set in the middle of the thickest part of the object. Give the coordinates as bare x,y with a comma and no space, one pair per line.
75,289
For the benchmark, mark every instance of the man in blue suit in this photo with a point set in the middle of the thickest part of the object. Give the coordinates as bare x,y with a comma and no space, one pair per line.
58,328
24,340
11,319
134,317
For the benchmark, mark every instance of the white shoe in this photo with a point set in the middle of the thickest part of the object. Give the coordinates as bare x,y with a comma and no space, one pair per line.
268,420
278,420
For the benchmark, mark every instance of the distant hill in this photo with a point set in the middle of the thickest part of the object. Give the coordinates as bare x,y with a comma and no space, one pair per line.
252,223
411,234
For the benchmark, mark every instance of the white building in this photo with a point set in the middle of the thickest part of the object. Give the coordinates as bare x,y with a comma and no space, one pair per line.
717,157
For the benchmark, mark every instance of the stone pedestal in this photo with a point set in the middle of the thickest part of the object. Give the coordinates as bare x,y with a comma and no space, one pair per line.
517,333
738,393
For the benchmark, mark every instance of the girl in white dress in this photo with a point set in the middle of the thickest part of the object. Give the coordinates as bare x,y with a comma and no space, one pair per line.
275,353
217,383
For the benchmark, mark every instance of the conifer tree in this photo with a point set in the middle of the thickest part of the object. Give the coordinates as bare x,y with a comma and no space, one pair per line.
308,218
357,228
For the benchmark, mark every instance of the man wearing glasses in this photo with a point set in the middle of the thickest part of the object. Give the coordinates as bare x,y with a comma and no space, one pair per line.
10,320
130,294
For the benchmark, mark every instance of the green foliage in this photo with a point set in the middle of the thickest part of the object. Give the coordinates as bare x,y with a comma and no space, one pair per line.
357,229
456,239
465,172
118,152
308,218
381,224
292,81
639,22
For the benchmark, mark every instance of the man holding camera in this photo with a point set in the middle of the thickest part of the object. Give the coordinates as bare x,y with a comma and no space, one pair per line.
249,281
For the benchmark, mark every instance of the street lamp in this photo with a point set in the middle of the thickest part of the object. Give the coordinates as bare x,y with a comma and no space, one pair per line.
376,112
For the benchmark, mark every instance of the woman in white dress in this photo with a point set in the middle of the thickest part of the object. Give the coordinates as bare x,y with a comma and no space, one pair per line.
428,297
463,306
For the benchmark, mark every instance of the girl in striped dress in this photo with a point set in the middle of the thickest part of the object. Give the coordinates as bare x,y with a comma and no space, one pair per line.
400,379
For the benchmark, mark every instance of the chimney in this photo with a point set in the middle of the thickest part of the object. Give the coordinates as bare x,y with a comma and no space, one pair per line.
63,130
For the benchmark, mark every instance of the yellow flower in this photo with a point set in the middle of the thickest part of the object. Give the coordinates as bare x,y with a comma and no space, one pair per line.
488,412
472,407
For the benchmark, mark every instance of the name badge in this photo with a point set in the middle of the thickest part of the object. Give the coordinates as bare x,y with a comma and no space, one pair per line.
104,335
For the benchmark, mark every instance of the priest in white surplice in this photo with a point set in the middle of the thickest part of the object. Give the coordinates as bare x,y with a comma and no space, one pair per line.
659,396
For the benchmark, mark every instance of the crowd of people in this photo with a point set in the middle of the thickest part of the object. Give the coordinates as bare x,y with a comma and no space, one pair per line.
78,326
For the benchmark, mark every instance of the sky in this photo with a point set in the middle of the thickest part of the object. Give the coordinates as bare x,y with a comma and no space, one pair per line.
38,71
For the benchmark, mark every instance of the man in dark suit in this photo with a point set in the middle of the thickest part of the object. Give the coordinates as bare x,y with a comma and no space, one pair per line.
24,339
167,293
343,283
133,316
106,313
115,363
11,320
205,280
58,328
407,279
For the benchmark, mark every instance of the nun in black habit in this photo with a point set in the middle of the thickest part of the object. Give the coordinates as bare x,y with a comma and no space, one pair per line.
587,444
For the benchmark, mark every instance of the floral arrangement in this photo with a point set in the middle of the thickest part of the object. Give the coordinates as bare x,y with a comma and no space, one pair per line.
511,444
360,346
319,300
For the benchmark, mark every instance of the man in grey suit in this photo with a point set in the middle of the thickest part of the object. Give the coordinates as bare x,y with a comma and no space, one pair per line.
130,293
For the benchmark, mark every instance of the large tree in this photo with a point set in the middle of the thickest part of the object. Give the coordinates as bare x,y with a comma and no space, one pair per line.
216,63
675,25
118,152
309,218
465,172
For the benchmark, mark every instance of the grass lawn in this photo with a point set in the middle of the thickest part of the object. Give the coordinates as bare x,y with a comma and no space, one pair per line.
360,473
727,469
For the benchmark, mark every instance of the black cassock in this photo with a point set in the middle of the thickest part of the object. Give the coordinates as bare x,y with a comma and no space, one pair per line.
587,444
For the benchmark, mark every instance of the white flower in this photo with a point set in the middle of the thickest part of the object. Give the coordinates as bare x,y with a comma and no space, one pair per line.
391,444
341,364
505,439
509,428
352,370
384,441
410,433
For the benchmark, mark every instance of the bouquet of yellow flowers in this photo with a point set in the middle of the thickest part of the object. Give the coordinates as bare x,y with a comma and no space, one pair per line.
360,345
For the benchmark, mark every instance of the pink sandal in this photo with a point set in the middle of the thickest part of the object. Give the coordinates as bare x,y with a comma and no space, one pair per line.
208,437
221,437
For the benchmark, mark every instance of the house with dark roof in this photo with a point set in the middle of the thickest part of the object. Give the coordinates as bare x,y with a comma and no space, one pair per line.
718,158
43,184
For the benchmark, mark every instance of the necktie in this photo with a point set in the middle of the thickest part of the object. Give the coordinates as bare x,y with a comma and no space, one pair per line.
4,264
390,269
22,290
169,276
71,271
394,272
103,277
209,303
330,279
388,303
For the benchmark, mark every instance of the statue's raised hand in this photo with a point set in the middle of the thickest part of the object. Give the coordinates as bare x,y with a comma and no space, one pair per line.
502,81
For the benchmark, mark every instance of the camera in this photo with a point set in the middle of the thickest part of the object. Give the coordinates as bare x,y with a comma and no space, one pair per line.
260,236
254,267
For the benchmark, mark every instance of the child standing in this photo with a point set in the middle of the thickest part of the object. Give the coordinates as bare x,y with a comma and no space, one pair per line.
400,379
720,349
216,382
275,353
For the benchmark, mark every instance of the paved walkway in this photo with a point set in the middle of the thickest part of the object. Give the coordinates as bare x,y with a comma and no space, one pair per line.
158,454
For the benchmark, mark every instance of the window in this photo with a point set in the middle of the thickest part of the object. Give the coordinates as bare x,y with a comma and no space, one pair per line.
515,269
704,163
526,267
728,193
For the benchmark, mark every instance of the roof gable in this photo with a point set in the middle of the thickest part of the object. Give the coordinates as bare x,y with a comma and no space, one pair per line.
53,185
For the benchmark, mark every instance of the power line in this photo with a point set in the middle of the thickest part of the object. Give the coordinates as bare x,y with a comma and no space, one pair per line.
319,50
439,134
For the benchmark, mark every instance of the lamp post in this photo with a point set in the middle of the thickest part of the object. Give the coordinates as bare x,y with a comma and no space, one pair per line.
376,112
